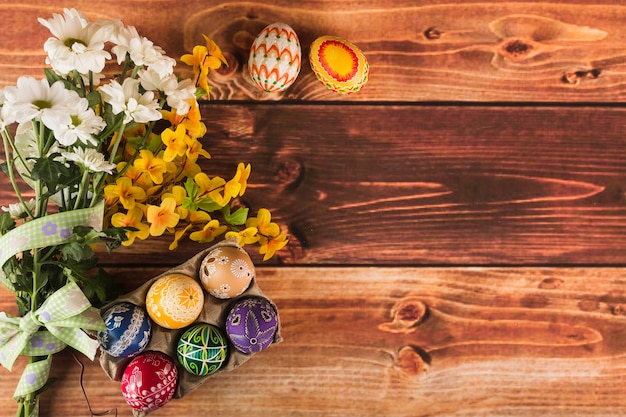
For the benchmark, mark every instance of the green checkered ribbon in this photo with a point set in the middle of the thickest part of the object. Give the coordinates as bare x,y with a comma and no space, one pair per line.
46,231
63,316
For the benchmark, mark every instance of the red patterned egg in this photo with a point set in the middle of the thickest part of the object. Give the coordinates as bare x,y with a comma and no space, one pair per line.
340,65
149,381
275,58
174,301
226,272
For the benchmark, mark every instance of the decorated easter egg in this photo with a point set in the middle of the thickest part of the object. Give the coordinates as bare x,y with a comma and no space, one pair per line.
251,324
226,272
149,381
339,64
202,349
275,58
128,330
174,301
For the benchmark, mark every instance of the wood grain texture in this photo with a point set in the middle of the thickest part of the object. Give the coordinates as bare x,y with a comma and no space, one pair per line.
493,341
416,185
418,50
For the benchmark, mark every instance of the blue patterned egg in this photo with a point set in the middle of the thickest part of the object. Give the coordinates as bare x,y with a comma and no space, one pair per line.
128,330
202,349
251,324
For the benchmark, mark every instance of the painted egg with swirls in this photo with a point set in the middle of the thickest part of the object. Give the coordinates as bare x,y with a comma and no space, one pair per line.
226,272
174,301
202,349
149,381
128,330
339,64
275,58
251,324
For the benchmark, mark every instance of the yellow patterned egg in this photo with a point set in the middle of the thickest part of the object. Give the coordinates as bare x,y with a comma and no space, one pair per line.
174,301
340,65
275,58
226,272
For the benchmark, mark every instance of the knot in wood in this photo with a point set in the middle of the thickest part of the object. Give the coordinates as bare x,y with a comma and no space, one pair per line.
406,314
290,172
412,361
432,33
517,48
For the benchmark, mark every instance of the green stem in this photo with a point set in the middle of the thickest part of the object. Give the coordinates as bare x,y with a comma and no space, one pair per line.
84,184
11,172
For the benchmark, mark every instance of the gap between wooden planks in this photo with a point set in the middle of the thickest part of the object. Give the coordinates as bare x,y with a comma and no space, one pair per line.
492,341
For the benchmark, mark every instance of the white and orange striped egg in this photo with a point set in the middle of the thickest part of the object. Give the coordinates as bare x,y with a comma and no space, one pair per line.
275,58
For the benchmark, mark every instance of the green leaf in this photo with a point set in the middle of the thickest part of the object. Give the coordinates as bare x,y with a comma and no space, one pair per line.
208,205
55,174
189,204
6,223
239,217
77,251
192,188
52,76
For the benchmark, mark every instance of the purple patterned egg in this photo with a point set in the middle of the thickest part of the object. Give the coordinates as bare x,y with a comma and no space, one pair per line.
128,330
251,324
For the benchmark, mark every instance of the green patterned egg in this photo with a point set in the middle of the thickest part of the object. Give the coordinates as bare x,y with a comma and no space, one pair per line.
202,349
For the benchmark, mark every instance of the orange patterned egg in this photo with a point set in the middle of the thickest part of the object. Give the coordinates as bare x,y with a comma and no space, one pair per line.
275,58
340,65
174,301
226,272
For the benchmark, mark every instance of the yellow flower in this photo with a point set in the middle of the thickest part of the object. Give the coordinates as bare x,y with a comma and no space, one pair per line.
198,216
263,222
193,122
209,232
125,191
175,142
211,187
137,176
162,217
214,52
244,174
178,194
232,187
155,167
203,59
178,234
245,237
131,219
194,149
271,246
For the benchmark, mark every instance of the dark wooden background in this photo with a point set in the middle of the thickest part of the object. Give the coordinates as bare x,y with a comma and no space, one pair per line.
457,227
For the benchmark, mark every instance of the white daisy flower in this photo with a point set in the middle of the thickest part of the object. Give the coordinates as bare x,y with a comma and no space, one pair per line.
90,159
77,45
141,108
16,210
122,39
152,80
84,124
182,97
32,98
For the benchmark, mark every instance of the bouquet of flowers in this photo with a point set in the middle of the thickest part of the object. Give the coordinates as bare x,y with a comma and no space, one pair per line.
105,148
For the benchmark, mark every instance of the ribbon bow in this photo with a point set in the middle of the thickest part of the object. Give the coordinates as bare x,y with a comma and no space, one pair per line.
63,315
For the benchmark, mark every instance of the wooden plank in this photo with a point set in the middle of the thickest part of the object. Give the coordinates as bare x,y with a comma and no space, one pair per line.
418,50
493,341
413,185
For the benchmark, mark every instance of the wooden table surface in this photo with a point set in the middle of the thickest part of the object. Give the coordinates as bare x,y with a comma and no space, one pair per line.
457,227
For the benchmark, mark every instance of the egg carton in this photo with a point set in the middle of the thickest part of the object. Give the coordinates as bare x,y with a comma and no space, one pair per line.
166,340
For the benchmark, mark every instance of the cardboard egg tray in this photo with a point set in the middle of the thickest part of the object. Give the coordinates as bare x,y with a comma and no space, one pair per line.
166,340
